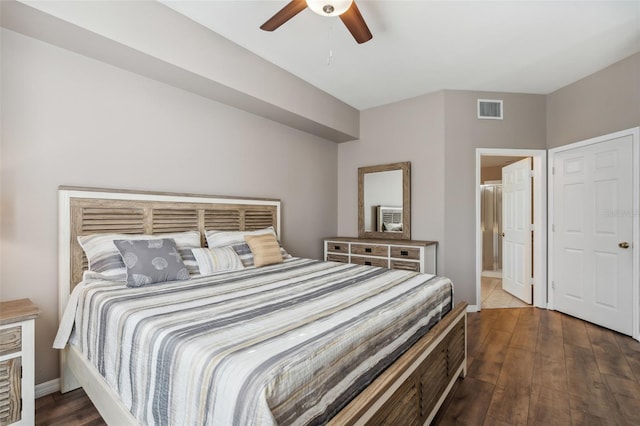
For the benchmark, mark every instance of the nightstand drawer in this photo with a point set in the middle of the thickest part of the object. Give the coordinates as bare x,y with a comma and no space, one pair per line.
17,368
407,266
337,247
10,340
370,250
372,261
412,253
337,258
10,389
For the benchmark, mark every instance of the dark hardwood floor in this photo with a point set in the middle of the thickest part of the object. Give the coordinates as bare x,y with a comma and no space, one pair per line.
529,366
70,409
526,366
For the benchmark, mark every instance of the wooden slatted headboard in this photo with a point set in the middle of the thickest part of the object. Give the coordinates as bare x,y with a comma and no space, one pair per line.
84,211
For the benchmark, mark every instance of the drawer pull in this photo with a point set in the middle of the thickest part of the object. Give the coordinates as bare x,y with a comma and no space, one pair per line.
367,250
404,253
336,247
368,263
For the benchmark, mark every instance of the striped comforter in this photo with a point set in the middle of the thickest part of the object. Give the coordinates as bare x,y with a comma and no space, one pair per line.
291,343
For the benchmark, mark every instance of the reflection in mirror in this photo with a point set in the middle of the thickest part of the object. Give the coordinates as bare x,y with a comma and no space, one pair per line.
384,201
389,219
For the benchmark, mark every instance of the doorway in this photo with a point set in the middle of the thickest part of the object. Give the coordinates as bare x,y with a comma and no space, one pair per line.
498,285
489,233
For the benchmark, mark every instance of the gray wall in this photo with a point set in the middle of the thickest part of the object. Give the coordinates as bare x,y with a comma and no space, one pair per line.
133,35
411,130
70,120
439,134
602,103
523,127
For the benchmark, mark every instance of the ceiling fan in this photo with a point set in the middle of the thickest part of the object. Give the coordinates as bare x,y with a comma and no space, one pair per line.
345,9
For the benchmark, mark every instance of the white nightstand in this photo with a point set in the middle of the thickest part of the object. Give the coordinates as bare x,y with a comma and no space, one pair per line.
17,362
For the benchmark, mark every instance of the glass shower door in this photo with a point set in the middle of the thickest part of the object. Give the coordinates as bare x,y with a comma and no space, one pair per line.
491,226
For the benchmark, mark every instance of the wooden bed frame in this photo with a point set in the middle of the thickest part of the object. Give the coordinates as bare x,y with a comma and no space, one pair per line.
410,391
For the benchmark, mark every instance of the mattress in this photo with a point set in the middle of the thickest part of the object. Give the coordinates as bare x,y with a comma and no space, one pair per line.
290,343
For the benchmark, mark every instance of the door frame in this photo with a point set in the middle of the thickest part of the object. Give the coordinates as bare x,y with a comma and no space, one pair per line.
635,213
539,189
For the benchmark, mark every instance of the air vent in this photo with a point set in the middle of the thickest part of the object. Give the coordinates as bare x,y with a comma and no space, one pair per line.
489,109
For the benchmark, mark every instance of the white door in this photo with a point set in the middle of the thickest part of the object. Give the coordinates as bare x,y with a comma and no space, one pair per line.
516,229
592,233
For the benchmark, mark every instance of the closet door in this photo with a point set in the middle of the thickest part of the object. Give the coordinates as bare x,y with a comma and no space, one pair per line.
592,223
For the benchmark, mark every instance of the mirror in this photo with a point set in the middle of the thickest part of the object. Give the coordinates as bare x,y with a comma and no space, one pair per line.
384,201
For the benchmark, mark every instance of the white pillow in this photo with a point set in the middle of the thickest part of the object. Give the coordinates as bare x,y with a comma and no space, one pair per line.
391,226
230,238
217,259
236,240
104,257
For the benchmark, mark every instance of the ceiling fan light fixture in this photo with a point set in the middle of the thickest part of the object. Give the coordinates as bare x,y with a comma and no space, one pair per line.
329,7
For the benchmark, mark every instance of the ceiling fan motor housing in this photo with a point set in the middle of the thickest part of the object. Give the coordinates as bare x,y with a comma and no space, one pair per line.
329,7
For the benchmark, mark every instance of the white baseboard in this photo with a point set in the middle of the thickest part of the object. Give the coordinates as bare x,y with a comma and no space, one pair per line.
47,388
492,274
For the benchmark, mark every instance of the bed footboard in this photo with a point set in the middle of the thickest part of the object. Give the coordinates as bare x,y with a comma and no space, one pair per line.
104,398
411,391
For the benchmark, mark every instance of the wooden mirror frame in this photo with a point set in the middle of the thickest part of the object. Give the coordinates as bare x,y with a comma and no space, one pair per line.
406,201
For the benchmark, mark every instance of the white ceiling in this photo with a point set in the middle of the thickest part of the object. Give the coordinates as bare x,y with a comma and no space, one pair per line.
420,46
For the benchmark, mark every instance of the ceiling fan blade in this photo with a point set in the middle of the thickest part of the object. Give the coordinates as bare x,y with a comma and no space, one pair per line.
354,22
289,11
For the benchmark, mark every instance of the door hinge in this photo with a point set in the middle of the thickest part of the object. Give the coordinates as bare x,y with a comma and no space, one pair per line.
532,227
553,285
553,170
532,173
553,227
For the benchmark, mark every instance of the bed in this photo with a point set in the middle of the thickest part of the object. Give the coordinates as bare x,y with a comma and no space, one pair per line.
402,376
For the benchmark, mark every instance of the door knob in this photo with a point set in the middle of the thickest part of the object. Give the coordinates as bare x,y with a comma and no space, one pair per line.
502,235
623,245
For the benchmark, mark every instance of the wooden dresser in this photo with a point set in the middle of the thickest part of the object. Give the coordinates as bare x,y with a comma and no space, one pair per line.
17,362
412,255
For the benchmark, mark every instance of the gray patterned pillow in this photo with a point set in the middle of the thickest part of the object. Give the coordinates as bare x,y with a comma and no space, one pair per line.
151,261
104,257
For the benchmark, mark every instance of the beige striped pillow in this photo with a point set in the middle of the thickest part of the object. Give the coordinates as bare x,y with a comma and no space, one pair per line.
211,260
265,249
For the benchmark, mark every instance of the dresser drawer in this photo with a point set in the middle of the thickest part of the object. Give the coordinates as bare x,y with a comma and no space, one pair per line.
10,340
404,265
372,261
412,253
337,258
337,247
370,250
